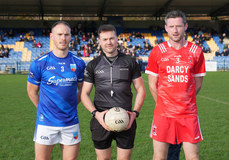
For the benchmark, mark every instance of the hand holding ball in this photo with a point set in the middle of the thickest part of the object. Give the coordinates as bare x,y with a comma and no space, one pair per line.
117,119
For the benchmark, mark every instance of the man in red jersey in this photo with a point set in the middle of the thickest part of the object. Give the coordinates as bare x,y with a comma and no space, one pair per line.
175,74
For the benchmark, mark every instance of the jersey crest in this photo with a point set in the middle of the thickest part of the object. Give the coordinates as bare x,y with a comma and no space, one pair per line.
73,67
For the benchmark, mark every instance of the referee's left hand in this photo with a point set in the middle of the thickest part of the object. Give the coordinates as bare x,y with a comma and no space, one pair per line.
132,116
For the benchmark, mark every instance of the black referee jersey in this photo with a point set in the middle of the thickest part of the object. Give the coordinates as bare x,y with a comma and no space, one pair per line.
112,80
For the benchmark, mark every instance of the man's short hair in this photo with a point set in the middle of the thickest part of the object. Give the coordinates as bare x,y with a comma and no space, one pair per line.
60,22
175,14
106,27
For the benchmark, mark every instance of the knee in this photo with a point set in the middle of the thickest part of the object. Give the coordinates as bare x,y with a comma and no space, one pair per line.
123,158
196,157
159,157
193,156
103,158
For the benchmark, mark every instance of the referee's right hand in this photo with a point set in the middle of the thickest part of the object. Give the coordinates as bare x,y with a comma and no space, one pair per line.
100,118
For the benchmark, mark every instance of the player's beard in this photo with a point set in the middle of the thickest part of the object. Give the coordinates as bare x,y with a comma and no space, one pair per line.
178,38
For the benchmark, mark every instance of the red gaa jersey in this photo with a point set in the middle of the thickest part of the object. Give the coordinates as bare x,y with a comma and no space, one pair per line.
176,70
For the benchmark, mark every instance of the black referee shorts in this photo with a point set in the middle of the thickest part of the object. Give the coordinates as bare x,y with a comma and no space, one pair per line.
102,138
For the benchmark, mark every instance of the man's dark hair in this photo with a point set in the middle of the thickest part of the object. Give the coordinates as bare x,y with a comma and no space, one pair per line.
60,22
106,27
175,14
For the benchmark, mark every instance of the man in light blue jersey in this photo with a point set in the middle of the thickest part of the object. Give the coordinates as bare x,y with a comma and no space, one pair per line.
54,87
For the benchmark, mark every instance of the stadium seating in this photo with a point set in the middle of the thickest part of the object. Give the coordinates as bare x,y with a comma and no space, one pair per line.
22,53
220,45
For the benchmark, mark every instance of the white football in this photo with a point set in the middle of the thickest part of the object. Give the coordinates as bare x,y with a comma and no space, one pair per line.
117,119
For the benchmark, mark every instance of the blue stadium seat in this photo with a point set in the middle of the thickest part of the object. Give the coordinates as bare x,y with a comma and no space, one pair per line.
220,45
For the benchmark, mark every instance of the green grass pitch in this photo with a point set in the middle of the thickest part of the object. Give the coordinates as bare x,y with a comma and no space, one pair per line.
17,122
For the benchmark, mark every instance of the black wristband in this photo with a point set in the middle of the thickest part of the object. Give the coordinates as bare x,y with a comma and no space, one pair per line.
137,113
93,113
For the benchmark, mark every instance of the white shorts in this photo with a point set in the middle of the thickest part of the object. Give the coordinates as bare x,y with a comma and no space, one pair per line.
49,135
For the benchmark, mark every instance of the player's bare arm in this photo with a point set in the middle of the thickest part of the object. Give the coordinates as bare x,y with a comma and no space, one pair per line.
152,80
32,91
85,98
140,93
139,100
79,89
198,84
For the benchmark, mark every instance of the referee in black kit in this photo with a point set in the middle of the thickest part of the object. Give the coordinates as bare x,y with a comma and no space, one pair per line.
112,74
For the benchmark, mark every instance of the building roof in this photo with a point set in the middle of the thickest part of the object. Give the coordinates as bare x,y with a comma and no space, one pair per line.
154,8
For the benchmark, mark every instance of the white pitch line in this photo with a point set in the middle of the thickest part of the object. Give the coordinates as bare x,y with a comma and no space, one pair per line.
208,98
215,100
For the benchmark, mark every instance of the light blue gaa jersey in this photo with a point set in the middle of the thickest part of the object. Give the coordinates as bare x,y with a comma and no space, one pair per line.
57,78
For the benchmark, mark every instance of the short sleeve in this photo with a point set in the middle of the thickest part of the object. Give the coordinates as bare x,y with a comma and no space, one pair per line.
34,76
82,69
152,66
200,65
136,70
89,73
